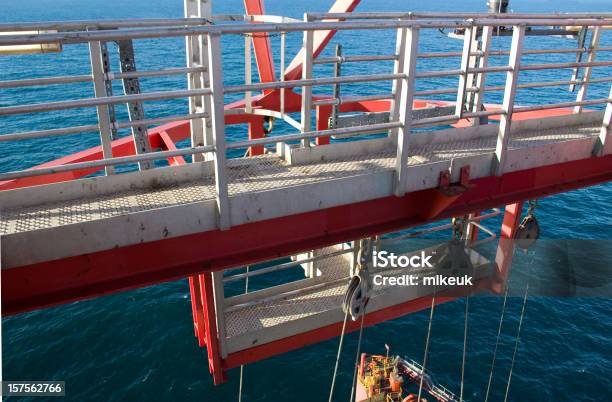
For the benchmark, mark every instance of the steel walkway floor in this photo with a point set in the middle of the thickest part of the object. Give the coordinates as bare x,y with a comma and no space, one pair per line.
327,296
248,175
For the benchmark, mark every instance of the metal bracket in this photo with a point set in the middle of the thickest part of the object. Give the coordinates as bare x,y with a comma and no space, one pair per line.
451,190
336,88
444,180
135,109
108,84
465,176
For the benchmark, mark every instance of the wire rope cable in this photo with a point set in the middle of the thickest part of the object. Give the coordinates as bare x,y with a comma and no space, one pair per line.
499,329
516,343
465,334
354,387
431,313
331,390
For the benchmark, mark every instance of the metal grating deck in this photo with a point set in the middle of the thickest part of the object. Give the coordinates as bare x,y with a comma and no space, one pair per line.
276,312
268,314
263,173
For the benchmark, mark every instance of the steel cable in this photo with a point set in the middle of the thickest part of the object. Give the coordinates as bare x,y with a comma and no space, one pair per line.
331,391
516,344
501,322
354,388
431,313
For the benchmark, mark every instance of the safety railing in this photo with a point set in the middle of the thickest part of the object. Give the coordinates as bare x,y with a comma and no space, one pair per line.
206,90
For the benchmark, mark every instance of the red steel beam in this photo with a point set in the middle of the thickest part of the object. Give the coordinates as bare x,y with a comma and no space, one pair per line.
212,340
505,247
321,39
261,44
256,130
75,278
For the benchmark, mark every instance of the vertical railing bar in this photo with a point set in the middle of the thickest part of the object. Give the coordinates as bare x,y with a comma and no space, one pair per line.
580,42
463,77
104,124
473,62
282,72
336,87
587,70
217,114
191,49
486,37
219,293
207,100
405,110
396,88
307,89
516,50
247,73
603,146
197,56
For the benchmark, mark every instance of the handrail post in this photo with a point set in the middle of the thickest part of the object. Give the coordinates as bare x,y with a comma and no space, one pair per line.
197,56
398,67
516,50
586,77
218,128
248,80
468,39
405,110
219,299
603,146
307,48
104,125
282,72
481,77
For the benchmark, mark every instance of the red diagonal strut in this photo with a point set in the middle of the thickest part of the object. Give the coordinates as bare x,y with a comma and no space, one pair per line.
261,44
321,39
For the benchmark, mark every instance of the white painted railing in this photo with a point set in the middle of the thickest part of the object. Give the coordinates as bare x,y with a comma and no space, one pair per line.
206,91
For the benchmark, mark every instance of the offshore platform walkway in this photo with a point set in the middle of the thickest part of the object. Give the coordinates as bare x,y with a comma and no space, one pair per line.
77,227
263,187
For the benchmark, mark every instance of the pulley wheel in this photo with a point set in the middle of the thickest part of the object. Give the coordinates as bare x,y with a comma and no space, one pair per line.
356,297
528,232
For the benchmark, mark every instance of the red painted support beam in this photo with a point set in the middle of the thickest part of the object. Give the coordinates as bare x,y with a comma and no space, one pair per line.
505,247
321,39
322,122
169,145
256,130
475,230
197,309
212,340
103,272
261,44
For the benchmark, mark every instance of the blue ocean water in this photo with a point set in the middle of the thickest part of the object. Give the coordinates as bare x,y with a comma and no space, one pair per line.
139,345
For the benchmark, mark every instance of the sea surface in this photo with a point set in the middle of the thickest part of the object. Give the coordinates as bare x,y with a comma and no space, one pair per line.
139,345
